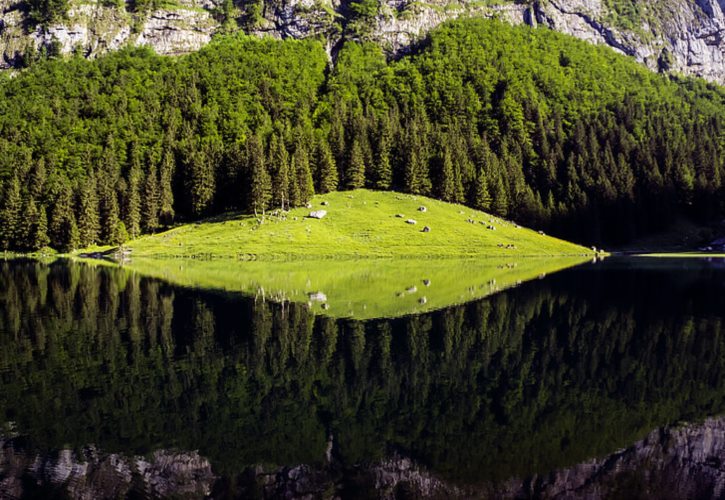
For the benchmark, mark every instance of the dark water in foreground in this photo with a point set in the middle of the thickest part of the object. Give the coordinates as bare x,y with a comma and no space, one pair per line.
576,385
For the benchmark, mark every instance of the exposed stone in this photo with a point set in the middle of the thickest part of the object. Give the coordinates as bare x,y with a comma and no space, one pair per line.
317,214
426,229
317,297
411,221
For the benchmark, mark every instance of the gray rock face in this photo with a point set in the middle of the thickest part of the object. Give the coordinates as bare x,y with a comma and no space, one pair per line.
684,36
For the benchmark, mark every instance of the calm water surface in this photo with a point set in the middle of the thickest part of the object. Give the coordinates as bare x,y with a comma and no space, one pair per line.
601,381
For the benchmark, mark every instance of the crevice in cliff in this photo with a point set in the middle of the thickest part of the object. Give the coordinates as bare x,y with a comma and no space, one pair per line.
605,33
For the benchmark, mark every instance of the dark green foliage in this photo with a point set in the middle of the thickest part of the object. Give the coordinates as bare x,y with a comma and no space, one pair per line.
150,200
326,168
89,228
10,205
63,227
552,132
356,169
260,183
303,188
280,172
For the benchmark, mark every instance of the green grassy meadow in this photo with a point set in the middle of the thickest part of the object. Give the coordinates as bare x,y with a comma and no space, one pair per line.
358,223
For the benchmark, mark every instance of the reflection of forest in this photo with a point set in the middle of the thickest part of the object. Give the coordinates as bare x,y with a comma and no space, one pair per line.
538,377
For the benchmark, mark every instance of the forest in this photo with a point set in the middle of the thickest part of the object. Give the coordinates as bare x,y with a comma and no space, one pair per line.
525,123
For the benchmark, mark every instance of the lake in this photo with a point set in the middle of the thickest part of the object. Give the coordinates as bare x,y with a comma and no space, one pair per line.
493,380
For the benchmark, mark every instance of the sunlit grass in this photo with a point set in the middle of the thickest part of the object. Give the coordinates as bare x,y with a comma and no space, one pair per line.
359,223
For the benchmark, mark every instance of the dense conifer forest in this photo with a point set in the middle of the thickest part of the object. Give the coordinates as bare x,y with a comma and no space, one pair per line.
524,123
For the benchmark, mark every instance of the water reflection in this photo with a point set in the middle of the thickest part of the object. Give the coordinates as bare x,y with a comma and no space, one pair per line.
542,377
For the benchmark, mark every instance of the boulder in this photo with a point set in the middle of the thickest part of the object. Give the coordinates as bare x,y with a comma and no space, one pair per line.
426,229
422,209
399,216
317,297
426,282
317,214
411,221
325,203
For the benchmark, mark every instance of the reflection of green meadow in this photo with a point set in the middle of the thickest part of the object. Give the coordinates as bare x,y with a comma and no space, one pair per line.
363,289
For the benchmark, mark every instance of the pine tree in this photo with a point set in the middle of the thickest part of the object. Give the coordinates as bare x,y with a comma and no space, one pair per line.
132,217
166,193
199,179
447,182
383,170
36,232
499,197
327,171
280,166
40,235
37,181
303,175
150,202
10,205
88,209
109,211
356,167
260,187
481,196
120,234
63,228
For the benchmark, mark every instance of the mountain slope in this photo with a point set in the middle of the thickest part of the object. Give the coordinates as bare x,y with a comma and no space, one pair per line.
667,35
524,123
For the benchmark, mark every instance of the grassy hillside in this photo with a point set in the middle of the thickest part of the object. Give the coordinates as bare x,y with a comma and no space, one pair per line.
361,289
358,223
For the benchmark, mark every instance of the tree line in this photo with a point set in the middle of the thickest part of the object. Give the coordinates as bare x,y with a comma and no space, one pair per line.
524,123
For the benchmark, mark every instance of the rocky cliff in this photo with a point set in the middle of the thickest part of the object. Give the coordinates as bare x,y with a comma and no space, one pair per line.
684,36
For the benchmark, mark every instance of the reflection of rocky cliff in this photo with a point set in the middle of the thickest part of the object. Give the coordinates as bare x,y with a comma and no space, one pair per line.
678,462
91,474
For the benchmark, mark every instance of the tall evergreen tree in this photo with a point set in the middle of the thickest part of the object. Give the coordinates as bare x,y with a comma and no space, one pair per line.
280,167
10,206
63,227
327,171
110,217
150,201
37,229
88,210
200,182
481,197
356,167
305,187
260,190
447,187
383,170
166,193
